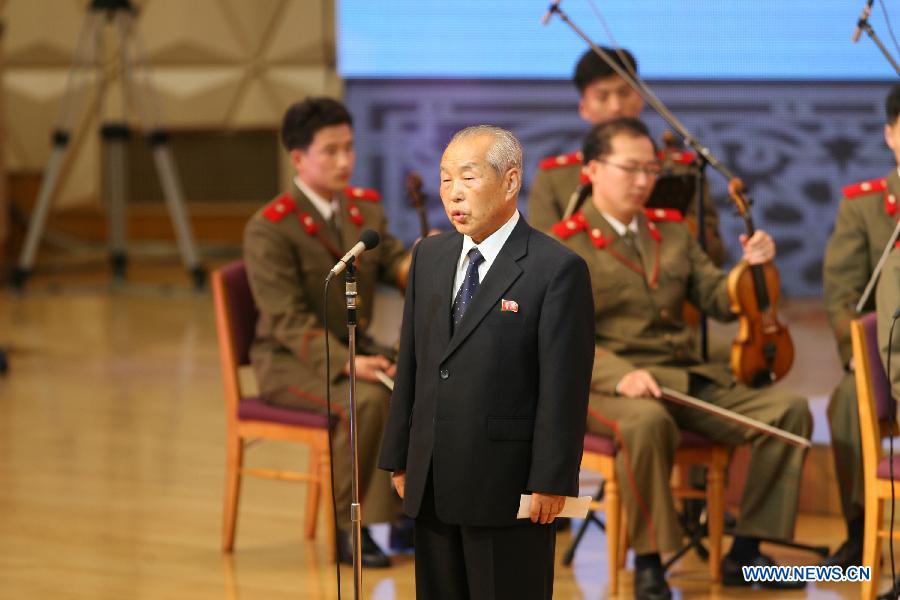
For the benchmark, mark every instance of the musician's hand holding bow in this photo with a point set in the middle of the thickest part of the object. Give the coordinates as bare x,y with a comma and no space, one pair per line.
638,384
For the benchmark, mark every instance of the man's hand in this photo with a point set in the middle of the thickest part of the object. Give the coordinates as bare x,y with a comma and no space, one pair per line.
639,384
545,507
758,249
398,478
367,365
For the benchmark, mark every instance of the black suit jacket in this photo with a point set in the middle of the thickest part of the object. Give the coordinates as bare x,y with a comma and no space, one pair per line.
499,408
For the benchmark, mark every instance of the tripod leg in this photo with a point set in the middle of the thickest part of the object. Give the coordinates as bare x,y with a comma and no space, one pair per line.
168,177
85,55
158,139
41,208
115,137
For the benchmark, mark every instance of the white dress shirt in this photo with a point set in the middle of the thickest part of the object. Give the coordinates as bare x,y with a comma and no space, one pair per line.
489,248
326,208
619,226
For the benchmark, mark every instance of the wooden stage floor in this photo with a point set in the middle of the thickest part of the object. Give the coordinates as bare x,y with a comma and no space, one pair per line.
112,456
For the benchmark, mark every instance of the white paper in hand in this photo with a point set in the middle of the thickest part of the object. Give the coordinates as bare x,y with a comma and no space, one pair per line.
574,508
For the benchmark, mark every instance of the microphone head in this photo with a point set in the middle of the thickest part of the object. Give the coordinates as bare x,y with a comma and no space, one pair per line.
369,238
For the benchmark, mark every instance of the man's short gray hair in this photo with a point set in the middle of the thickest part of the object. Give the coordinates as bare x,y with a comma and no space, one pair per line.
504,154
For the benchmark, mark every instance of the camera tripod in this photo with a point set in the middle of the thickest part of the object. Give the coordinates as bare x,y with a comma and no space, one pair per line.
136,95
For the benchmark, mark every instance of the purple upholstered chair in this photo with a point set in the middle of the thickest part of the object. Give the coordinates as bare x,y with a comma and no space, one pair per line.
251,418
876,414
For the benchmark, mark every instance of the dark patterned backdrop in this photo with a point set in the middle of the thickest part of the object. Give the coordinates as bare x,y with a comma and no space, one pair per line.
794,144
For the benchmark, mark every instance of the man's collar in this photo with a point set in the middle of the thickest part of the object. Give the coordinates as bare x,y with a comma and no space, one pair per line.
618,225
325,207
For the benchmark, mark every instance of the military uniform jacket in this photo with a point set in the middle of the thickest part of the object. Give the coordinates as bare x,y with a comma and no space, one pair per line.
639,297
559,177
865,221
288,250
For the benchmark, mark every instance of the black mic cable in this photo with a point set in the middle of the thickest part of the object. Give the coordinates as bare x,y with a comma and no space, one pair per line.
895,589
337,560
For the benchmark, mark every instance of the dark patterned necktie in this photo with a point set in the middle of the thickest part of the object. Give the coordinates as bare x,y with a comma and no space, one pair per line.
468,288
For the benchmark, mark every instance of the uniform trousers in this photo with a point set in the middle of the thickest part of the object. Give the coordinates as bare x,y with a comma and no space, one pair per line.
647,431
378,500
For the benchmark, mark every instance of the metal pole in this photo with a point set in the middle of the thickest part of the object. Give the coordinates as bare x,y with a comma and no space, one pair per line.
355,508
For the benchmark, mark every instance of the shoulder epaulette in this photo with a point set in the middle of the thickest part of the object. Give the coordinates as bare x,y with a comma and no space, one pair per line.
358,193
279,208
568,227
561,160
679,157
664,214
865,187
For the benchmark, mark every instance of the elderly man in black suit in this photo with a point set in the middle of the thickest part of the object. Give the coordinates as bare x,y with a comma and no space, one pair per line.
490,400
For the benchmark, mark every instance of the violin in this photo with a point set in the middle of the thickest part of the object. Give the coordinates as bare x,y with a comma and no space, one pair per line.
417,199
762,352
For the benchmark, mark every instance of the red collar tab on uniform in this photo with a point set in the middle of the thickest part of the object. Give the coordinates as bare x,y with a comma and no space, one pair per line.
865,187
654,232
309,224
664,214
567,227
597,238
584,178
890,204
279,208
355,214
358,193
562,160
678,157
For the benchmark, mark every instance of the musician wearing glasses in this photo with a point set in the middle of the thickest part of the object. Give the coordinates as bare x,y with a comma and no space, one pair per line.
603,96
865,220
644,264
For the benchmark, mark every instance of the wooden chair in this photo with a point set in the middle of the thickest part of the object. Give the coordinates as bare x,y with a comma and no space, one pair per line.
876,415
248,418
600,457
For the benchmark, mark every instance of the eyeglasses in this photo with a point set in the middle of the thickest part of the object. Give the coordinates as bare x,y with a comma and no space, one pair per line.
652,171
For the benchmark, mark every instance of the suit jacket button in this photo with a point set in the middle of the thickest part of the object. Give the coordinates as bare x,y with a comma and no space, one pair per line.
445,374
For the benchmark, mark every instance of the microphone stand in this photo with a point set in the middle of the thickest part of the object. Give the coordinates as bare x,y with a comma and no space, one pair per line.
863,24
355,509
700,178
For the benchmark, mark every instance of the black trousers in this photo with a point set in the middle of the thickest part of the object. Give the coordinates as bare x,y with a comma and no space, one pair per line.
457,562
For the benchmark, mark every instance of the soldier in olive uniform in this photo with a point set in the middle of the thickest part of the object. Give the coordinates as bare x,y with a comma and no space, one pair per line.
604,96
887,296
644,265
865,220
290,245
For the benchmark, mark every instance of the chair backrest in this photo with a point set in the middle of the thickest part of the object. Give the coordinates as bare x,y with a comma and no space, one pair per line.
241,306
872,390
236,316
885,406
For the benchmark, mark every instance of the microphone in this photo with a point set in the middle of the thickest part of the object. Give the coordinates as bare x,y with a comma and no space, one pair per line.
368,239
550,10
863,17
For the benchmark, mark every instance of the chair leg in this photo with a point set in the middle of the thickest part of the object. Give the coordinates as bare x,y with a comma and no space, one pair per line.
715,517
872,544
613,504
313,491
624,540
234,461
